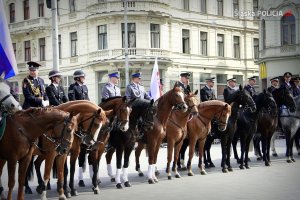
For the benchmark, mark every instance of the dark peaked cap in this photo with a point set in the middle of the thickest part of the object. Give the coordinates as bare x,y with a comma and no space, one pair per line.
231,79
252,78
185,74
33,65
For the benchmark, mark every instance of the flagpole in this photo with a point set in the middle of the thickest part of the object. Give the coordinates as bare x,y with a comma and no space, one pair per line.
54,35
126,44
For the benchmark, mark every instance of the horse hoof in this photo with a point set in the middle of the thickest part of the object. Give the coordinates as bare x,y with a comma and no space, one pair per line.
68,194
157,173
259,158
224,170
39,189
127,184
203,173
267,164
74,193
249,160
177,176
247,167
48,186
299,153
212,165
242,167
150,181
62,197
81,183
169,177
206,166
230,169
289,161
275,155
113,180
119,186
96,190
293,160
28,190
98,182
190,174
141,174
155,180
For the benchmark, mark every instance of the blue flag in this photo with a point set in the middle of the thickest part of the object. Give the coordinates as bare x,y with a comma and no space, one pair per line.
8,64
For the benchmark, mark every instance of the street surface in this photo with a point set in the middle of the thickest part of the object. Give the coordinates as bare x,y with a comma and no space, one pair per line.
280,181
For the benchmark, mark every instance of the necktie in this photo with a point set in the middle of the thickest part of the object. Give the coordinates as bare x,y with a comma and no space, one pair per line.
115,90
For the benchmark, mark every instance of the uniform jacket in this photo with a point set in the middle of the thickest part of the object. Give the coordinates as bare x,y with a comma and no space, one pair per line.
78,92
288,87
136,91
227,92
296,91
110,90
56,95
33,99
207,94
250,89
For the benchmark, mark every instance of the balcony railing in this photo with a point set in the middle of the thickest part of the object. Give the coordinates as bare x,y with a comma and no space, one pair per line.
38,23
286,50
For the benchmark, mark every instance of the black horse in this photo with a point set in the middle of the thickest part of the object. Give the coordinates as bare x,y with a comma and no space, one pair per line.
140,121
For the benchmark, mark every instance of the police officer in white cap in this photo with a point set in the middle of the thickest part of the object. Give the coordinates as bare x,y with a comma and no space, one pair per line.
274,84
250,86
135,89
111,88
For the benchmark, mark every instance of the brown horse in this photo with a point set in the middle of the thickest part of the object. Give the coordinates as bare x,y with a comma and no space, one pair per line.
153,138
199,127
22,130
119,119
176,130
90,120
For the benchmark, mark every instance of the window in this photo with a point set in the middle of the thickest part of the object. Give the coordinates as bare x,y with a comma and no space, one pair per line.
27,51
203,39
72,5
58,7
41,8
102,37
221,85
236,7
14,48
66,82
12,13
101,1
186,4
203,6
236,46
239,79
288,32
220,7
73,44
263,31
256,48
255,5
155,35
26,9
220,38
131,35
185,41
42,45
59,46
204,76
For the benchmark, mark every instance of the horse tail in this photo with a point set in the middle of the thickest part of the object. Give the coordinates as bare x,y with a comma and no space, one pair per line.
54,169
30,173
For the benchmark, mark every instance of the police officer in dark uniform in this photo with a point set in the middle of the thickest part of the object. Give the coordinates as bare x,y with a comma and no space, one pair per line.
34,88
250,86
230,89
111,88
135,89
274,84
78,90
287,82
207,92
184,82
55,92
296,87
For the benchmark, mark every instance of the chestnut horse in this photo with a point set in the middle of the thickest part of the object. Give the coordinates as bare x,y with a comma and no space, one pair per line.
174,98
119,119
22,130
90,120
176,130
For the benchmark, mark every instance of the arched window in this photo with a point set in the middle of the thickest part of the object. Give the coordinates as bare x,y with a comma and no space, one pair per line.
288,31
263,32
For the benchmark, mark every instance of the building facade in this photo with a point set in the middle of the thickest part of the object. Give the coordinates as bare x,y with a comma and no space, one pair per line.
280,40
204,37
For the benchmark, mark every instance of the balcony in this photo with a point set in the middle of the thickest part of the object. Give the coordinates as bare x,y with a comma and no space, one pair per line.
136,53
155,6
280,51
29,25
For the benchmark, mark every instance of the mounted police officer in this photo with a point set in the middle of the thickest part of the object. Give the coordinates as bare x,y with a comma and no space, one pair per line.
78,90
111,88
287,76
296,87
34,88
207,92
274,84
230,89
184,82
135,89
250,86
55,92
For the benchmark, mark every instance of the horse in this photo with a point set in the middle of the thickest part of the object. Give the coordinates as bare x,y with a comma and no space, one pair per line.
118,120
176,130
90,120
22,130
289,115
123,142
7,101
174,98
267,122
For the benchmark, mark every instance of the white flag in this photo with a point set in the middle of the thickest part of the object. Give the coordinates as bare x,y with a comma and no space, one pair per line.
8,64
155,82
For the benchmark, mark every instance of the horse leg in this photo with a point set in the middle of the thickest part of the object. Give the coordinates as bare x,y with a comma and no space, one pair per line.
108,157
228,151
200,164
127,154
119,155
256,143
82,165
151,153
247,145
291,148
181,162
224,139
74,155
268,147
2,195
207,146
156,150
242,141
288,146
94,169
273,144
297,138
138,151
264,150
169,157
176,155
61,165
192,144
29,176
37,165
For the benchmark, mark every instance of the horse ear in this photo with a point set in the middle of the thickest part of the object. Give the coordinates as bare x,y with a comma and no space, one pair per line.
152,102
98,111
196,92
176,85
265,91
226,105
109,113
124,99
240,87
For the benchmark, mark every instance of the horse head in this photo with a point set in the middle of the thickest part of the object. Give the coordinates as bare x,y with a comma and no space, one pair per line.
7,101
243,98
268,102
192,102
284,98
222,117
123,112
178,98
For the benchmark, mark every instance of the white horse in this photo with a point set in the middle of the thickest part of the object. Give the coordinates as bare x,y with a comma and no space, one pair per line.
290,123
7,101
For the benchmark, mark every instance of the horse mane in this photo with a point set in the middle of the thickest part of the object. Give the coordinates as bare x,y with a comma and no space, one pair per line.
25,113
211,103
140,103
71,103
111,98
161,99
